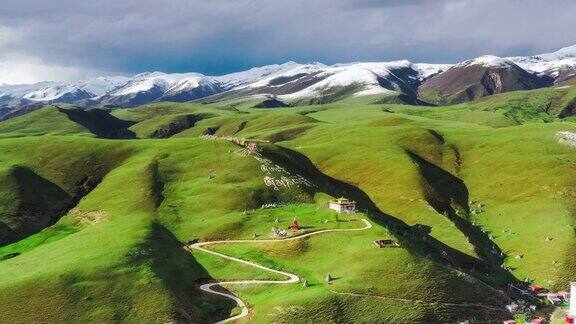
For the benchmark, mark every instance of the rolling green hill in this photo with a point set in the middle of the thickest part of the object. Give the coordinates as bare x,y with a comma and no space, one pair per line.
96,207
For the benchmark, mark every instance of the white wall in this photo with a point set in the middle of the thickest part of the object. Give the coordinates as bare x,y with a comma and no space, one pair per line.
572,299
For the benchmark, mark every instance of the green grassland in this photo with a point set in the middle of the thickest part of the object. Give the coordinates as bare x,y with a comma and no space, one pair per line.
98,217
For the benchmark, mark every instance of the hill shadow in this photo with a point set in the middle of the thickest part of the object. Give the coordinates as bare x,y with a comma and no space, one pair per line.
449,196
40,202
100,123
443,191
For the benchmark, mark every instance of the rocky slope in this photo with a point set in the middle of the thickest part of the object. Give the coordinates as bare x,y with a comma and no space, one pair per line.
476,78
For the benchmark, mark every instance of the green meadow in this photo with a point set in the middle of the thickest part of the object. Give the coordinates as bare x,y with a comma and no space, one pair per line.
96,208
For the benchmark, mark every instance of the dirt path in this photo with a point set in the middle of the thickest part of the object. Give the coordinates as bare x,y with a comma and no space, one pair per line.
290,277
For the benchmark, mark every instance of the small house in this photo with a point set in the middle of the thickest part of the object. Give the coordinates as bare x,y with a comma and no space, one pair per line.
343,205
386,243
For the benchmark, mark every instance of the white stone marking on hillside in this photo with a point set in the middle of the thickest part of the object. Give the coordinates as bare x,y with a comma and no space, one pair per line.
275,176
278,177
291,278
567,138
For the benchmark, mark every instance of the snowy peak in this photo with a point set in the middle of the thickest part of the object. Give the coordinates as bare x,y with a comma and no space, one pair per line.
254,74
560,64
563,53
66,92
426,70
291,74
101,85
360,78
56,92
490,61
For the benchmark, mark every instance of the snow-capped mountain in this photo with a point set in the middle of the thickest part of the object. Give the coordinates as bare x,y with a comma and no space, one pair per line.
476,78
64,92
147,87
252,75
158,86
317,82
310,82
561,65
290,81
490,61
129,91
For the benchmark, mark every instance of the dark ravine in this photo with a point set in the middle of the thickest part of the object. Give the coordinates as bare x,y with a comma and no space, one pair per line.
449,196
569,109
176,126
271,103
41,203
100,122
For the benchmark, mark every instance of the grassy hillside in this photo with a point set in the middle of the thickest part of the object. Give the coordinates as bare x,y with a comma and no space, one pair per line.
507,109
479,195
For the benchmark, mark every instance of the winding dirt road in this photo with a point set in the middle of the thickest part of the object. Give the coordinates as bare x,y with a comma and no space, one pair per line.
290,277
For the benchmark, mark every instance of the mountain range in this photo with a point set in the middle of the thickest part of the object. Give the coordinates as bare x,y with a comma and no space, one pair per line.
311,83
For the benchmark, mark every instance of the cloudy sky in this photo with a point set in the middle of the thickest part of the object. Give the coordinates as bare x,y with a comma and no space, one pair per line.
71,39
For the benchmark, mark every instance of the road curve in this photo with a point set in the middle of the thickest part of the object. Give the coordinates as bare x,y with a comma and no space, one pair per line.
290,277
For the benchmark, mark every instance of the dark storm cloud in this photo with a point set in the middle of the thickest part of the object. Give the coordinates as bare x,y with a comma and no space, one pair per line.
219,36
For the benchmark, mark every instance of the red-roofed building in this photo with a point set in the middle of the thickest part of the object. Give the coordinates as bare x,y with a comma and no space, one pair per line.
535,288
295,226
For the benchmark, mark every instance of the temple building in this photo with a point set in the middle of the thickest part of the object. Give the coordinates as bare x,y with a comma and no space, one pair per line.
343,205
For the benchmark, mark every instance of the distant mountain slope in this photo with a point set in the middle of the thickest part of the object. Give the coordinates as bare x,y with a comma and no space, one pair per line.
480,77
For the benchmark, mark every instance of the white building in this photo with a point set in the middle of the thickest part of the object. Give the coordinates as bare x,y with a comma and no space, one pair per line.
343,205
572,311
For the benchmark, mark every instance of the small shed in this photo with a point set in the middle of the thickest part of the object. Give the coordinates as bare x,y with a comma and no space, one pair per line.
386,243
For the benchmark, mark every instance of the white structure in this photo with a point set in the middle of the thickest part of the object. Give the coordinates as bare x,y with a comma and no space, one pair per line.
572,311
343,205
